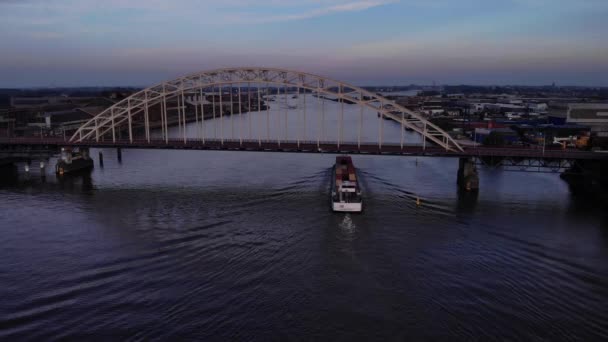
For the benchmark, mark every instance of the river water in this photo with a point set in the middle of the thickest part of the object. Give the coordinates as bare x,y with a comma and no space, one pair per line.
211,245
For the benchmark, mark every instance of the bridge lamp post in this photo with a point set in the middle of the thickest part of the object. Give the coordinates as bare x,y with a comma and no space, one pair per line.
221,115
475,138
543,136
231,114
240,118
544,145
424,137
361,108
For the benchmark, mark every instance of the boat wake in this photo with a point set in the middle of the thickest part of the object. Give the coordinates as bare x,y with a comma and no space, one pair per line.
347,223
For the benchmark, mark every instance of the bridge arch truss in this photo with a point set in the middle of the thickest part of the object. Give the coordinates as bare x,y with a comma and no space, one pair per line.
133,114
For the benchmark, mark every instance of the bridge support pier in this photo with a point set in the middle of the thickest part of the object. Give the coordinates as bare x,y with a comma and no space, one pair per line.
119,154
100,159
588,178
8,172
6,163
468,179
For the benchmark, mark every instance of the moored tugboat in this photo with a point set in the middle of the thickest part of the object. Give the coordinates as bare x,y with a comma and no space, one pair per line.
72,161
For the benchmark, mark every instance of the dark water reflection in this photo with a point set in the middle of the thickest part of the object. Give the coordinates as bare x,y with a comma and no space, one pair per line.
230,245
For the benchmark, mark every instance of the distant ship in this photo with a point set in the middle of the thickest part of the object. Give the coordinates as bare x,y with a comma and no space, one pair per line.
345,190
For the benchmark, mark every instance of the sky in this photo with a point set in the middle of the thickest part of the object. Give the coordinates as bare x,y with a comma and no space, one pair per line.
47,43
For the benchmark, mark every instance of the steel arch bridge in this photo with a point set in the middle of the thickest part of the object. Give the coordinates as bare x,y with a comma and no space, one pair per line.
145,115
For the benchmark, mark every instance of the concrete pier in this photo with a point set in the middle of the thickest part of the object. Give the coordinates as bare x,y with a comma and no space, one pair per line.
7,162
588,178
468,179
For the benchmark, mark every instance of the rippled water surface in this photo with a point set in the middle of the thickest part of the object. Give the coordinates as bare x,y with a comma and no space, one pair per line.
240,245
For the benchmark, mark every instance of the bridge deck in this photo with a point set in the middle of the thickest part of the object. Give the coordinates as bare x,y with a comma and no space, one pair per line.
311,147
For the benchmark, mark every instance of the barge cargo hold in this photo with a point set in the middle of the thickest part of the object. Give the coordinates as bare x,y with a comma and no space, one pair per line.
345,190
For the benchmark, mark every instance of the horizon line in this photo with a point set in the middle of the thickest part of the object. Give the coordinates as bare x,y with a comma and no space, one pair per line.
363,86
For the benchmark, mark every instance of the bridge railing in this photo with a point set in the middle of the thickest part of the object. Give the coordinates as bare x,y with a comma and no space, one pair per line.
316,146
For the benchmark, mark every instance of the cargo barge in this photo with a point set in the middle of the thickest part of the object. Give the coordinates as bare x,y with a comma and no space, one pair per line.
345,190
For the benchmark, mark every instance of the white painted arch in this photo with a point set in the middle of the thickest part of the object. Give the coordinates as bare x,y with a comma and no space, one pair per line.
127,110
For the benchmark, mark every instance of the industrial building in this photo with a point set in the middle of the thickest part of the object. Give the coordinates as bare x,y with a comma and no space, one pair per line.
593,115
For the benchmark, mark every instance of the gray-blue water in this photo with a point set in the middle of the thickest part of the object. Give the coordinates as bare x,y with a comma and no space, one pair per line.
207,245
242,245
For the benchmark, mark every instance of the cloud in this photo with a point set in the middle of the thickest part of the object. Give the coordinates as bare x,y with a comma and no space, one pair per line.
145,41
46,35
462,52
313,13
202,12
